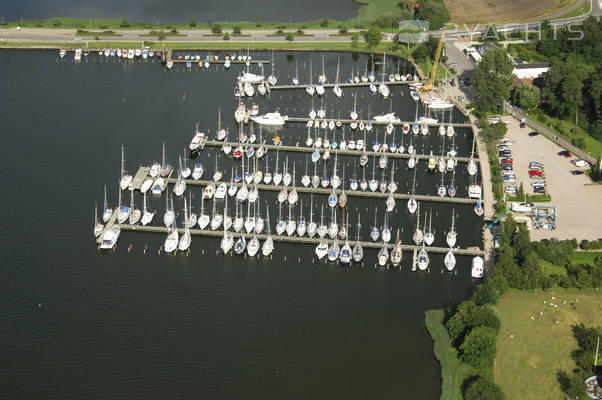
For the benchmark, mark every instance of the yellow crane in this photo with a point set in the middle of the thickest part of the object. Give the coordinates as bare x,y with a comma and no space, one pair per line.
429,85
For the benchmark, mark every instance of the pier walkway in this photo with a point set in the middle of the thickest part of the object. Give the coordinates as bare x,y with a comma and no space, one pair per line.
378,123
472,251
304,149
341,85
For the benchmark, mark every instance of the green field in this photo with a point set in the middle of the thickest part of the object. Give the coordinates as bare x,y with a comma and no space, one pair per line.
583,9
531,351
592,146
586,257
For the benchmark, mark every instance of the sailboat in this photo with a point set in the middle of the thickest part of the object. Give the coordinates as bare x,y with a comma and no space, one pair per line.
302,225
375,232
259,222
272,80
291,224
452,235
333,251
253,246
472,165
98,226
333,228
169,215
185,240
478,207
268,245
204,219
363,182
293,196
442,190
429,237
125,178
227,241
412,204
124,211
322,229
397,253
321,249
240,245
354,182
392,186
250,220
358,251
423,259
418,235
134,213
171,242
146,185
382,88
147,216
217,219
281,225
305,180
386,232
345,255
310,89
383,255
373,184
451,189
277,176
337,89
180,186
195,143
450,260
315,179
106,211
312,226
165,167
296,77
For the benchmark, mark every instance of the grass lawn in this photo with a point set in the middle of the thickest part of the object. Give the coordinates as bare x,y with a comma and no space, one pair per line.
586,257
548,268
584,8
531,351
592,146
453,372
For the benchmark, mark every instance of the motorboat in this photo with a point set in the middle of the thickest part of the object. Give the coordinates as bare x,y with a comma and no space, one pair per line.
386,118
477,267
197,172
321,249
109,239
272,119
435,103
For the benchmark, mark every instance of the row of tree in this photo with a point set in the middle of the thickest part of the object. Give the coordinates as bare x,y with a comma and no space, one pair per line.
587,340
572,89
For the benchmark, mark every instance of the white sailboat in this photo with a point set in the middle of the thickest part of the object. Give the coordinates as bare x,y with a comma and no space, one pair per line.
184,243
281,225
312,226
322,229
374,231
302,225
268,245
291,224
171,242
217,218
125,178
429,237
397,253
418,235
98,226
383,89
147,216
358,251
383,255
310,89
450,260
321,249
106,211
124,211
169,215
203,219
423,259
337,89
134,213
412,204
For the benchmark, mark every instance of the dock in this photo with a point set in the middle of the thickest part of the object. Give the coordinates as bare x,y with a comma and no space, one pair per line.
341,85
358,153
472,251
378,123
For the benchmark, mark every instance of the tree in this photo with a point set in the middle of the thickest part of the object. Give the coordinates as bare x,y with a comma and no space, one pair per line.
485,293
373,36
2,21
493,79
216,28
354,39
192,22
532,271
571,95
124,23
324,22
236,30
290,36
226,36
526,96
343,28
482,389
479,347
57,22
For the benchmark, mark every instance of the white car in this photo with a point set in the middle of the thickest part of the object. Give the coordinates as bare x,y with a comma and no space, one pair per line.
511,189
579,163
506,173
510,179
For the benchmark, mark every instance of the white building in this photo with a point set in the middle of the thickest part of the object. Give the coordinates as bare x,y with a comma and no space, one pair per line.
530,71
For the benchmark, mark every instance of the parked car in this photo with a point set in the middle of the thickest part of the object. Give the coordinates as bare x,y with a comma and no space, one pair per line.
461,98
577,172
505,154
507,172
535,168
507,167
535,172
565,153
510,178
536,163
579,163
522,125
539,190
538,183
507,160
533,133
454,64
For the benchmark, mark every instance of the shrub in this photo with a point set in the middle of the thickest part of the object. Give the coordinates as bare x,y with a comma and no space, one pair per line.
174,31
124,23
226,36
280,28
236,29
290,36
192,22
343,28
103,26
479,347
57,22
216,27
373,36
482,389
324,22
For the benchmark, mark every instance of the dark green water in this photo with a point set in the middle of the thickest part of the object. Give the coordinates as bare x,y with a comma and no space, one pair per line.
182,10
83,324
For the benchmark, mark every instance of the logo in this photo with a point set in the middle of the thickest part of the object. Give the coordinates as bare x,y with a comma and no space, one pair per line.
413,31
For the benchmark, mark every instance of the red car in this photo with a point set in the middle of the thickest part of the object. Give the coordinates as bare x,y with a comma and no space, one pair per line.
535,172
507,161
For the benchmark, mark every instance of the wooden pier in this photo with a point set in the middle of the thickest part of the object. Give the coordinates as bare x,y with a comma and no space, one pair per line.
377,123
472,251
341,85
358,153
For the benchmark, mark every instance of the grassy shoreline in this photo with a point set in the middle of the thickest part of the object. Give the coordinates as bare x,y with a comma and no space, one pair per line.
453,372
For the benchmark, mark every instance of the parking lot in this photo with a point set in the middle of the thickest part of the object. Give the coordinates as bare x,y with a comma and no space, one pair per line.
576,199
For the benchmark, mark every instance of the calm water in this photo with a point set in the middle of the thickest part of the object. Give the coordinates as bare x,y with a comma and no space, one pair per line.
182,10
132,325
